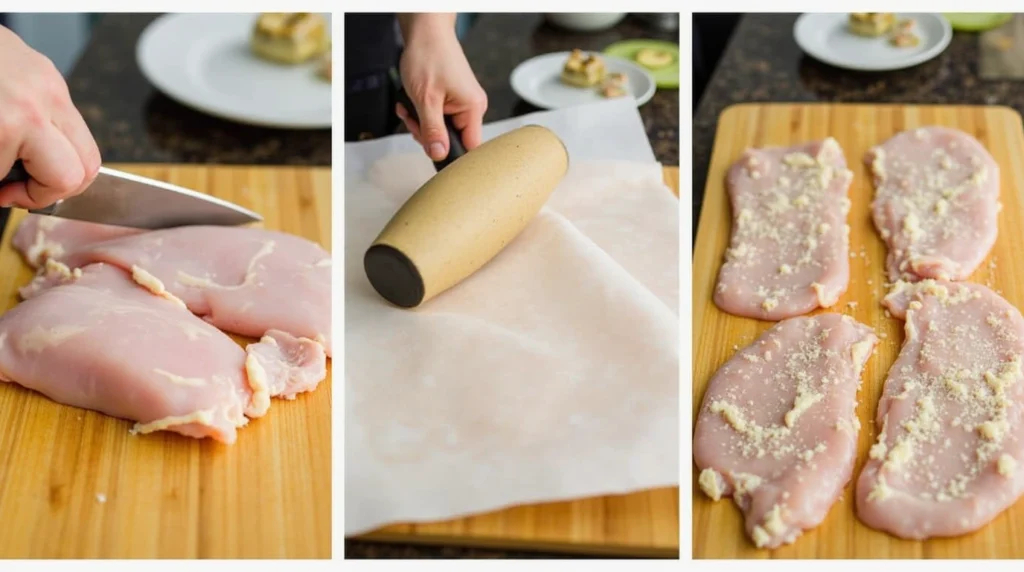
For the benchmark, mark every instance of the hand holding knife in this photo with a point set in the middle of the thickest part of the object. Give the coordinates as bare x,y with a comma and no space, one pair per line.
123,199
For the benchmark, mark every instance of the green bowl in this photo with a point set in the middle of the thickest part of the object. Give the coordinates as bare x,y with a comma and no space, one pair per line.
666,77
975,22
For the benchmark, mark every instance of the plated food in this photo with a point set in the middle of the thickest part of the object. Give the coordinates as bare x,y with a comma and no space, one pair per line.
871,24
583,70
614,85
904,36
589,71
876,24
289,38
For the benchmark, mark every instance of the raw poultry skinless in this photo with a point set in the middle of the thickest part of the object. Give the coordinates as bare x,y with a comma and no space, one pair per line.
93,338
242,280
948,452
788,251
936,203
778,426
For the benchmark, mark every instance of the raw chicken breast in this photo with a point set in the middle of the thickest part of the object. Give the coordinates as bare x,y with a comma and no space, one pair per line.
789,248
95,339
287,365
950,417
39,237
936,203
778,428
242,280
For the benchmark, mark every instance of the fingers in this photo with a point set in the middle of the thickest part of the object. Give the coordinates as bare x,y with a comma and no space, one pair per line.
70,122
470,123
8,155
409,122
433,134
54,166
41,126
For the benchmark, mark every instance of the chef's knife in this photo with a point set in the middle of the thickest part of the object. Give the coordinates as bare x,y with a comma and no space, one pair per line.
455,147
123,199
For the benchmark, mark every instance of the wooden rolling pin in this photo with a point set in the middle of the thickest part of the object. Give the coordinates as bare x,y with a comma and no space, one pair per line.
465,215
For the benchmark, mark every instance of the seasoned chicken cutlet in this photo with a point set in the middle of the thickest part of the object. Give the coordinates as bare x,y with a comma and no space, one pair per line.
936,203
789,248
778,428
951,416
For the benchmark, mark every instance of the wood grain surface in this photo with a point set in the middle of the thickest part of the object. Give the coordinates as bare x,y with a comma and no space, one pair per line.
641,524
717,527
76,484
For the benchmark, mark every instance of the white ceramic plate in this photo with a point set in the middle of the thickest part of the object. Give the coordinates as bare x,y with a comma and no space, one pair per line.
203,61
538,81
825,37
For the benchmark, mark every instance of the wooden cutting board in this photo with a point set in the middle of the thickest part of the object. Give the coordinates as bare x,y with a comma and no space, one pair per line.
643,524
75,484
717,527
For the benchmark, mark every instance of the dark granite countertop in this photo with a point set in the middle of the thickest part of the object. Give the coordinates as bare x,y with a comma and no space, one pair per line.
497,43
133,123
763,64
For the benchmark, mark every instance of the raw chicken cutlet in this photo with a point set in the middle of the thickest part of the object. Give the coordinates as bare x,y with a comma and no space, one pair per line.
93,338
950,416
789,248
936,203
245,281
778,427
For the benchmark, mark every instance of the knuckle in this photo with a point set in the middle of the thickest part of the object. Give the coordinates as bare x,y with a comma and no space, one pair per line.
68,188
49,83
48,71
432,132
431,98
32,115
10,127
24,111
92,165
91,160
70,179
480,99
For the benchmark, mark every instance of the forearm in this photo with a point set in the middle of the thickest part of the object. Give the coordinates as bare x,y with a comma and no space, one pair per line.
414,25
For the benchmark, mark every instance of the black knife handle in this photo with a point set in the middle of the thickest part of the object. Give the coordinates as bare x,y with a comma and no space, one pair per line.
455,147
18,174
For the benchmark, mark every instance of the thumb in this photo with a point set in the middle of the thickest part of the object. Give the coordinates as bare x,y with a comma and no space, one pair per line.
433,134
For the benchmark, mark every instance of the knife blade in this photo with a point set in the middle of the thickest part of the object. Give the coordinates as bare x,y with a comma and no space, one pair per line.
123,199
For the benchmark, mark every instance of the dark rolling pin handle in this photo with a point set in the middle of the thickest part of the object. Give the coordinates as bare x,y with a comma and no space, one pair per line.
18,174
455,147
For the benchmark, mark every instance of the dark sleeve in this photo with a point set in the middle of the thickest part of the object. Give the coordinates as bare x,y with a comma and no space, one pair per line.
371,44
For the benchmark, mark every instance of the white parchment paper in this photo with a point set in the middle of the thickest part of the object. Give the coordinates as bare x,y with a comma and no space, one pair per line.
550,374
